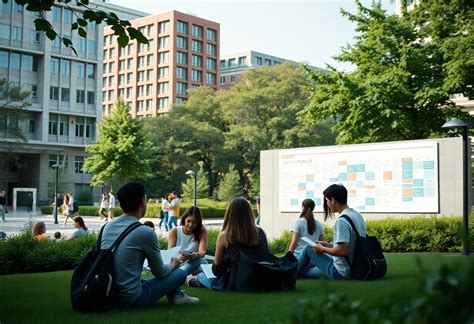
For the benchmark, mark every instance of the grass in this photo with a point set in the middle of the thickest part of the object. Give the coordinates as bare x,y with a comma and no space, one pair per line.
44,297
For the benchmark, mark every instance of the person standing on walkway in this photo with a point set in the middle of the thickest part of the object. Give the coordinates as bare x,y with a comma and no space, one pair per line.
3,203
29,202
67,207
103,207
174,210
165,207
110,212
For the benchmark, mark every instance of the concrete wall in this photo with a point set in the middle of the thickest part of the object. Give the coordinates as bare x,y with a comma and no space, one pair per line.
450,187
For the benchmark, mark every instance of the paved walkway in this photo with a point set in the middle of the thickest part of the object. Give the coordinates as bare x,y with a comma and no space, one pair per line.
15,221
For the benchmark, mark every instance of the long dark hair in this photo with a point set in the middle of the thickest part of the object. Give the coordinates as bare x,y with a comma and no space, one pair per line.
239,223
337,192
307,213
196,212
80,221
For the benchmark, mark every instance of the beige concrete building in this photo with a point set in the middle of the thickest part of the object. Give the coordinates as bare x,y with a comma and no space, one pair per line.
182,53
65,101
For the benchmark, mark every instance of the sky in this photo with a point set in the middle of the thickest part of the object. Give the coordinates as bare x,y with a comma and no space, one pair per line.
311,31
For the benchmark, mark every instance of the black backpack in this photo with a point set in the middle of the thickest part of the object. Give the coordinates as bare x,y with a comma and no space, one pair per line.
369,262
93,285
262,271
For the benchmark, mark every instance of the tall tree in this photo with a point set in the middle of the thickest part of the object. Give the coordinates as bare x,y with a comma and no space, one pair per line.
82,17
121,152
230,186
202,186
403,78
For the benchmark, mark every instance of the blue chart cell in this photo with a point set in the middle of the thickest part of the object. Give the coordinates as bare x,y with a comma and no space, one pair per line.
407,174
334,179
407,185
370,201
301,186
309,194
370,176
418,182
407,165
356,168
342,176
317,201
428,165
362,207
407,199
418,192
294,202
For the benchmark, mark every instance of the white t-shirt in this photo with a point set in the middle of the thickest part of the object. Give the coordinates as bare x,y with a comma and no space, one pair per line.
300,226
343,233
111,201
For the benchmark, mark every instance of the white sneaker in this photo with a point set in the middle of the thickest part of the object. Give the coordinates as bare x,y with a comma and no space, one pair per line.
182,298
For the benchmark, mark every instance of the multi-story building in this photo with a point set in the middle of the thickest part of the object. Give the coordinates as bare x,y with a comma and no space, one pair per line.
65,101
182,53
233,65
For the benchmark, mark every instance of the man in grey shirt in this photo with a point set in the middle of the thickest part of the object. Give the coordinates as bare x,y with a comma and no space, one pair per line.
141,243
331,258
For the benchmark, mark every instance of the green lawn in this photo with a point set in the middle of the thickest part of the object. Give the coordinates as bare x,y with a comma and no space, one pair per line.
44,297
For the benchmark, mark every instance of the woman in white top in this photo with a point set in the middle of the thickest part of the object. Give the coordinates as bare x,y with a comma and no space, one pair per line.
306,226
104,204
193,238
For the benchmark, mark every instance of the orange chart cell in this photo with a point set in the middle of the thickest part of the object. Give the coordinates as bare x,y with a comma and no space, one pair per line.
387,175
342,162
370,187
351,176
407,192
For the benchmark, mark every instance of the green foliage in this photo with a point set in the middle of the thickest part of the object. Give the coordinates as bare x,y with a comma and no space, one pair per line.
230,186
84,14
202,186
280,244
84,197
444,297
211,245
121,151
402,82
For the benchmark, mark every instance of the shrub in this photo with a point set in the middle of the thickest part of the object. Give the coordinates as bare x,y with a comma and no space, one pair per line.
279,245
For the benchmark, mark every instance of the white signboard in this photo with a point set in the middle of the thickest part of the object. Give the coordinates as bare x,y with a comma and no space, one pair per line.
398,178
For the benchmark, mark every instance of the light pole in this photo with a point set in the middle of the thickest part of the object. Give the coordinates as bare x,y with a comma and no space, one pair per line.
55,211
453,124
192,173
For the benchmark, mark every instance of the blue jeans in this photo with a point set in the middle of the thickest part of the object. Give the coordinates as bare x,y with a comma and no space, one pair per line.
193,266
172,220
2,212
204,281
323,261
258,219
165,220
153,288
310,271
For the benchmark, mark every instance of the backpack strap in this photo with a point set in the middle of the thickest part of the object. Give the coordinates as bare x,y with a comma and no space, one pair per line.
347,218
99,239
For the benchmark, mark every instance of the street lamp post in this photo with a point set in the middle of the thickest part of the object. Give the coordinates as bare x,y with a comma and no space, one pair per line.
55,211
192,173
453,124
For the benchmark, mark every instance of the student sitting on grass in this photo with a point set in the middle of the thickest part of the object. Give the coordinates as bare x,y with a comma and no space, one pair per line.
239,231
193,239
331,258
38,231
306,226
81,229
57,236
141,243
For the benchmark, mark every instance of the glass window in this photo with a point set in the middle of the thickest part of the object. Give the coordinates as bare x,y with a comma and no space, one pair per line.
212,49
15,60
211,64
53,129
129,63
149,89
182,42
91,48
121,80
80,96
4,56
79,161
181,58
268,62
63,125
27,62
181,73
196,75
163,87
182,27
141,76
232,78
180,100
92,25
90,97
34,36
54,65
79,126
197,31
82,44
33,90
67,16
242,60
56,14
197,60
54,93
210,78
65,67
181,88
90,71
163,42
64,94
7,6
81,70
56,42
211,34
163,72
163,57
149,75
259,60
163,103
17,33
196,46
90,127
31,125
222,80
149,60
222,64
164,27
130,49
122,64
129,78
151,45
4,31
